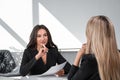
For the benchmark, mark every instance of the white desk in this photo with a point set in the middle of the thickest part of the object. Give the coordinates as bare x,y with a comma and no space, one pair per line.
34,78
43,78
10,78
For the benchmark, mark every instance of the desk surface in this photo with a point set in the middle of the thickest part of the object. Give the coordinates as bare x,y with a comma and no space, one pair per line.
34,78
43,78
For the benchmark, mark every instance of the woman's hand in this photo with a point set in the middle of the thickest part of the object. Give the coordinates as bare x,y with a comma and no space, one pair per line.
42,51
79,55
60,73
82,50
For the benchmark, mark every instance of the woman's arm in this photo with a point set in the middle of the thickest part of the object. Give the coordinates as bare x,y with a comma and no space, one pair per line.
75,66
79,55
26,64
61,59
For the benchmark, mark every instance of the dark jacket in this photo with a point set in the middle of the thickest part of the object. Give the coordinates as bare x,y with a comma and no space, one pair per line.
7,63
88,69
30,65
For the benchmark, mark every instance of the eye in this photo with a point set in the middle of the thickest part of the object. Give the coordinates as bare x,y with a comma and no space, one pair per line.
38,35
45,35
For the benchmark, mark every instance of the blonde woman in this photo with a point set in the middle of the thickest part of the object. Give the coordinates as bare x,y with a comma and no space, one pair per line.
100,58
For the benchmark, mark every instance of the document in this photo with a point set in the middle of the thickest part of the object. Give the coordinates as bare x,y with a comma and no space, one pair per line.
54,69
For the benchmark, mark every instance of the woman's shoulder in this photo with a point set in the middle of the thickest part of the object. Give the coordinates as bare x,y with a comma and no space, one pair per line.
29,51
89,60
53,49
89,57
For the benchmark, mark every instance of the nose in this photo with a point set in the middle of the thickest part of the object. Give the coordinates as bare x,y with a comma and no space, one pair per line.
42,38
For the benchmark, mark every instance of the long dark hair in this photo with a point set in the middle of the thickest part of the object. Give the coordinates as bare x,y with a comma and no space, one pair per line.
33,38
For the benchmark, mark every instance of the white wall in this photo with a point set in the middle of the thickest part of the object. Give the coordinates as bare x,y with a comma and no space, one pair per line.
15,23
67,20
74,14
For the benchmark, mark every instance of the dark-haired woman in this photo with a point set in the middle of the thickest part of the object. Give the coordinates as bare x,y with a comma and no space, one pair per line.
41,53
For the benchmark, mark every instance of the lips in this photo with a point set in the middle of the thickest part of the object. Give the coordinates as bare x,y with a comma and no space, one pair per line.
43,43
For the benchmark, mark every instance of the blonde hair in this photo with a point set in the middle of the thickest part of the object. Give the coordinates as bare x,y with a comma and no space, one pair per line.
101,42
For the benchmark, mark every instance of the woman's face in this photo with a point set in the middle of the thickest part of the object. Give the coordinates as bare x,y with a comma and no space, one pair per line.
42,37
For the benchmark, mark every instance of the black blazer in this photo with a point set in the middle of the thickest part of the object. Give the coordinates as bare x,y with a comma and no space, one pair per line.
88,69
30,65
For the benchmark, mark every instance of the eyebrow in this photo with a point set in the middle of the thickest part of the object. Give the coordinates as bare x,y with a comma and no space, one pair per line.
43,34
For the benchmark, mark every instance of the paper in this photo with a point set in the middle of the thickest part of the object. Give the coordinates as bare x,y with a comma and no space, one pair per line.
54,69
